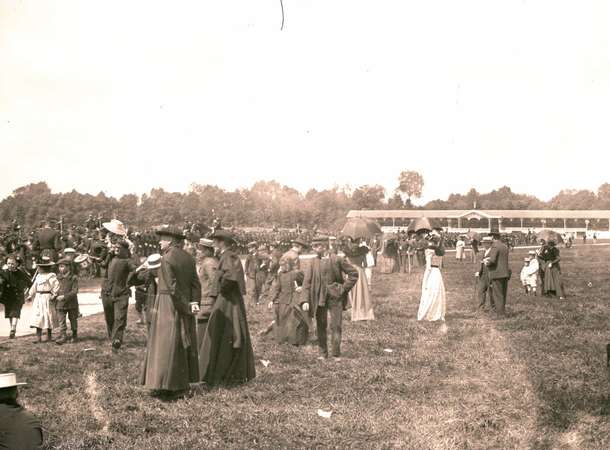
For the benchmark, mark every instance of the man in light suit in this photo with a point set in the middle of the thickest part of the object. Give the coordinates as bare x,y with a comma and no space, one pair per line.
499,272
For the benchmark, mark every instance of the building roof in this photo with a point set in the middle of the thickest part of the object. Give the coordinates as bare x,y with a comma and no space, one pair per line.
480,213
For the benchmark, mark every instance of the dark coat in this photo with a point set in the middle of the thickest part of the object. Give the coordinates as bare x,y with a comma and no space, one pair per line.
324,279
48,238
291,322
68,287
13,287
226,354
498,261
171,361
19,428
118,272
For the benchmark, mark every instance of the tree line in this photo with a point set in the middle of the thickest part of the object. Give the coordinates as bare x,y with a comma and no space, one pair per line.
267,203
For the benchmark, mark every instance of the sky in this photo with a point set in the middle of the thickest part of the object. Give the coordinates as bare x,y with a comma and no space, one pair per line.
124,96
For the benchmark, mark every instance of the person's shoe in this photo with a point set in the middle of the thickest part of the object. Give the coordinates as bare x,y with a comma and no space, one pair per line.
61,340
37,341
74,338
49,336
12,334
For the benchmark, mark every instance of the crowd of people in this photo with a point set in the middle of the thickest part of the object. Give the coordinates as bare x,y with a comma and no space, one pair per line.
193,296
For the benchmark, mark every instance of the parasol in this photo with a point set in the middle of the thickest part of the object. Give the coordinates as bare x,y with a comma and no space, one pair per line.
473,235
549,235
357,227
419,224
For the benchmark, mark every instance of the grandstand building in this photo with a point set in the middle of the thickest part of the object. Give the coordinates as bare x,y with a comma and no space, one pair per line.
578,222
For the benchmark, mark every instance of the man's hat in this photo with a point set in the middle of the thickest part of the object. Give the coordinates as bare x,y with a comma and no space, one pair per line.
69,250
531,252
115,226
203,242
153,261
494,231
527,259
320,239
224,235
45,261
8,380
486,239
300,242
80,258
169,230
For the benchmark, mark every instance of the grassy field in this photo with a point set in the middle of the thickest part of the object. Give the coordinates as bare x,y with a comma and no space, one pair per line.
534,380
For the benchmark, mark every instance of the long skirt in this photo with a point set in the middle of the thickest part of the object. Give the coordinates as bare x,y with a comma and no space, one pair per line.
44,314
171,361
226,355
360,299
291,325
553,283
433,301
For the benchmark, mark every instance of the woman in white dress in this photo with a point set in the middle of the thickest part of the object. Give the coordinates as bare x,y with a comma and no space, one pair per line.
43,291
432,304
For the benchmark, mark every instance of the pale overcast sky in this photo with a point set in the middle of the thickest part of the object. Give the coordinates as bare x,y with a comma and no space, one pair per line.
123,96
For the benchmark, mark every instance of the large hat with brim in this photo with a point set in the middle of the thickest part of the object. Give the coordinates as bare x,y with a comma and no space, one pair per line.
531,252
224,235
487,239
153,261
115,226
203,242
169,230
45,261
300,242
80,258
9,380
69,250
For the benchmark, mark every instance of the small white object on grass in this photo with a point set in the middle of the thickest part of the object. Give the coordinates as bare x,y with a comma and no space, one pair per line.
443,328
88,349
388,350
590,284
325,414
265,362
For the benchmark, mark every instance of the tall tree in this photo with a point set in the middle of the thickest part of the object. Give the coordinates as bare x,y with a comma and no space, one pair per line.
410,184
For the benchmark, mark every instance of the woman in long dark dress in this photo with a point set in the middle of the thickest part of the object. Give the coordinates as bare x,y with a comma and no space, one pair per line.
553,284
226,352
291,319
13,283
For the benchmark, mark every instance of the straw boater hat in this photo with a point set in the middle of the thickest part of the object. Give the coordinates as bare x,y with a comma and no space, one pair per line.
45,261
487,239
168,230
203,242
224,235
69,250
531,252
80,258
320,240
8,380
115,226
153,261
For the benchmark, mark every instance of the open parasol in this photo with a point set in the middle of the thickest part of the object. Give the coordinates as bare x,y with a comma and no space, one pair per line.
357,227
419,224
473,235
549,235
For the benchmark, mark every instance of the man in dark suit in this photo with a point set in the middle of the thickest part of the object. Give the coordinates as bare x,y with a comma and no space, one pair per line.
499,272
48,241
325,290
483,289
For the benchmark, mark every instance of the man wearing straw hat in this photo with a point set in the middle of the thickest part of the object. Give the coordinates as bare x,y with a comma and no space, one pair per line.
19,429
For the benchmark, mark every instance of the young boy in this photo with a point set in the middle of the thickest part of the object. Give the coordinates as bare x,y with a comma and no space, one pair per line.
529,275
67,300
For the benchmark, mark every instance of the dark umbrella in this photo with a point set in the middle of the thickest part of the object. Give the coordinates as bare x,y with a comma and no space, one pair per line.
549,235
357,227
419,224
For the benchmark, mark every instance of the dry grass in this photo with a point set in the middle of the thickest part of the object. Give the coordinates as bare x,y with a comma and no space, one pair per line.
534,380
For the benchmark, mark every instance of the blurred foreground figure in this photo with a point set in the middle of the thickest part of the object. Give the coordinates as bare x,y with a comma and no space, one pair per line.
19,429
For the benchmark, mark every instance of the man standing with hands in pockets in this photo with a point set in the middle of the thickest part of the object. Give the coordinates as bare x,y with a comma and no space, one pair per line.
499,272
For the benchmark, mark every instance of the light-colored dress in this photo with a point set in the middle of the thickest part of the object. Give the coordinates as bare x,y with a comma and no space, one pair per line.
460,245
433,301
44,288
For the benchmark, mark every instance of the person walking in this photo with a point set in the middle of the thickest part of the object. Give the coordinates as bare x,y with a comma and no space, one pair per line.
13,284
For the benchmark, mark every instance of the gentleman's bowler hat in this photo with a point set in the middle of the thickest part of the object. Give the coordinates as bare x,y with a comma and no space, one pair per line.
169,230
